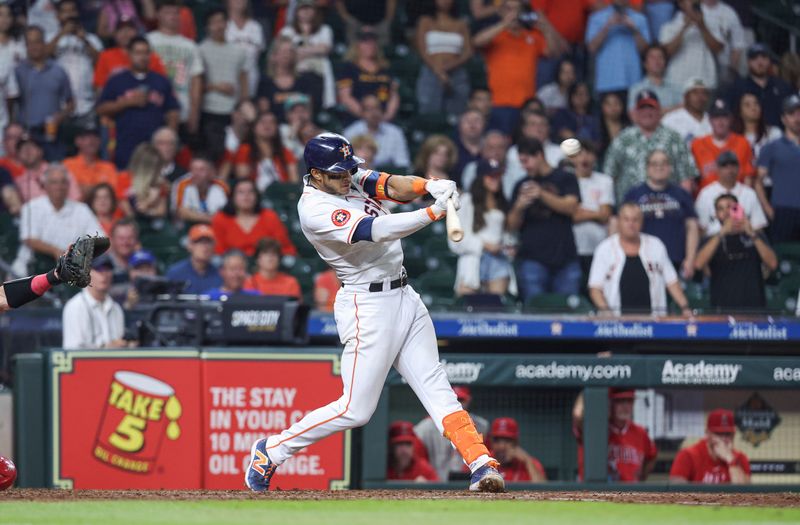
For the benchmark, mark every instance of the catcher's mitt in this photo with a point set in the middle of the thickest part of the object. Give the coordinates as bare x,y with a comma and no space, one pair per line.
74,266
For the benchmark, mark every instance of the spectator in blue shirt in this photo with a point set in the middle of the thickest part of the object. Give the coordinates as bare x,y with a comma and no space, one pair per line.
196,270
139,100
234,274
780,160
668,212
616,35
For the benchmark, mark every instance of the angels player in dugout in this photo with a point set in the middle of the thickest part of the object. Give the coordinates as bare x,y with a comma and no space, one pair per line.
381,320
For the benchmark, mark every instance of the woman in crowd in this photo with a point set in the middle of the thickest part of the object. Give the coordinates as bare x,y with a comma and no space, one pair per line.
247,34
268,279
482,263
313,41
243,222
366,72
749,121
444,44
576,120
613,119
112,11
283,79
554,94
263,159
436,158
148,191
103,202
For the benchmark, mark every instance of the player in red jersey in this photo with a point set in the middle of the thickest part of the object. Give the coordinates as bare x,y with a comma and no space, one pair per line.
631,452
712,459
404,464
515,463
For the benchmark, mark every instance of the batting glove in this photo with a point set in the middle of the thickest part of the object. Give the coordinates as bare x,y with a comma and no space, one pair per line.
438,187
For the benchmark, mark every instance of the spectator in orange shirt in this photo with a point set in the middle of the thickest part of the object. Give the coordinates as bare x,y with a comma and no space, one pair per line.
115,59
515,463
326,285
12,135
87,168
102,199
242,222
268,279
707,149
31,181
404,464
512,51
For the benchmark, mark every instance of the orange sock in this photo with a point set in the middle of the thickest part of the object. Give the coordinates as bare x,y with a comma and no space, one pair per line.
461,431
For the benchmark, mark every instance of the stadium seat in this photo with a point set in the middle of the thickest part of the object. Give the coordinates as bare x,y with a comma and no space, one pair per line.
438,283
281,193
9,238
559,303
698,297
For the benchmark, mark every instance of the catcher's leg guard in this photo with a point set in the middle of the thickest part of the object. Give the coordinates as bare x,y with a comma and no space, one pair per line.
461,431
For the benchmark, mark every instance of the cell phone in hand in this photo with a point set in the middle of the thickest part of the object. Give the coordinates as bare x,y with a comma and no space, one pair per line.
737,212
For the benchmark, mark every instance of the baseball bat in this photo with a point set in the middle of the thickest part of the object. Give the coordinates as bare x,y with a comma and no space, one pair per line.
454,230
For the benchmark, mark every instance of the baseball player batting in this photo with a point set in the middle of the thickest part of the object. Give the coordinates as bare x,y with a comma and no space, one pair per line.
381,320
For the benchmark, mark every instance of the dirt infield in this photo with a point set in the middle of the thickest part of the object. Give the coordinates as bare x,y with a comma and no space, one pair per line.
780,499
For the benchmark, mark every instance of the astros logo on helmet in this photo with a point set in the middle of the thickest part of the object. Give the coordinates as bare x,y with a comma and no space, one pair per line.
346,151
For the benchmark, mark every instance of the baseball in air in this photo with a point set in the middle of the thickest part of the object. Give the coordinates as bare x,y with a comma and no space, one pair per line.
571,147
8,473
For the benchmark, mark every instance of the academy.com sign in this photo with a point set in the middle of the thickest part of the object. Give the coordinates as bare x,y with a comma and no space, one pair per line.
699,373
584,373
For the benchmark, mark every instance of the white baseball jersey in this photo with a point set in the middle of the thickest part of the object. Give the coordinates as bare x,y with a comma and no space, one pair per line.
329,221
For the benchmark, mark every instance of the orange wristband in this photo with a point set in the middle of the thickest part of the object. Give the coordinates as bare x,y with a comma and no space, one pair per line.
432,215
418,186
381,186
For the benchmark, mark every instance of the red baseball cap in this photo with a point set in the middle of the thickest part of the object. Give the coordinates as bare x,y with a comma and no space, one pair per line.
401,432
201,231
505,427
647,99
463,393
721,421
618,394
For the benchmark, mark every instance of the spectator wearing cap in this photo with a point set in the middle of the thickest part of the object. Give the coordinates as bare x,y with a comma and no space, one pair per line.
533,124
76,51
626,157
403,463
691,120
182,59
314,42
88,168
727,168
471,125
225,82
198,195
692,44
233,272
768,88
116,59
441,454
738,254
707,149
31,183
139,101
631,451
591,220
436,158
516,465
668,212
392,145
46,98
283,79
51,222
297,110
654,61
242,222
616,35
779,161
141,267
512,51
482,263
92,319
543,204
197,270
494,148
268,279
713,459
631,270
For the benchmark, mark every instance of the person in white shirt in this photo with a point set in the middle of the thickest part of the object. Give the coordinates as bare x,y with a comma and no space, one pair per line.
692,43
246,33
728,171
392,145
533,124
49,223
723,20
181,58
591,221
631,270
92,319
691,121
76,51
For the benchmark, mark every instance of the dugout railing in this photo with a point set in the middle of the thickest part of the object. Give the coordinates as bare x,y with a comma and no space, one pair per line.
64,403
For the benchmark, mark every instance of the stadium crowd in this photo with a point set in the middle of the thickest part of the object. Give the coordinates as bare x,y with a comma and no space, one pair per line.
178,129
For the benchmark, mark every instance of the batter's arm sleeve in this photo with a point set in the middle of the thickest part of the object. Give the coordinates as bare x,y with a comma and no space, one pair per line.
397,226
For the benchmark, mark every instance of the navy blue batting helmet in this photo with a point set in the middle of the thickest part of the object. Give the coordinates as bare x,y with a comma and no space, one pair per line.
330,152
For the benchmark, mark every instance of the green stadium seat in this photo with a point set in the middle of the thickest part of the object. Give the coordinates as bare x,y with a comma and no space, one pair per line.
559,303
698,297
281,194
436,284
